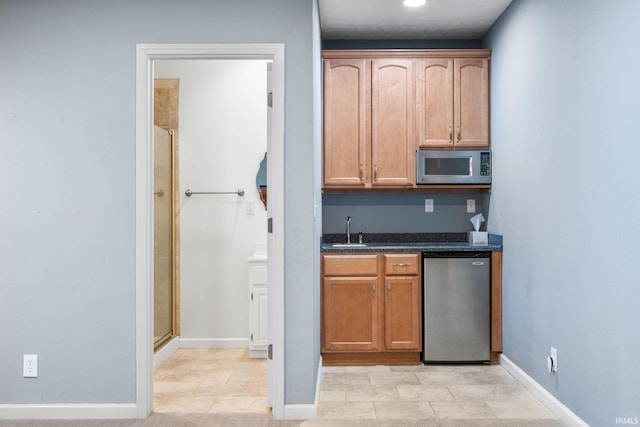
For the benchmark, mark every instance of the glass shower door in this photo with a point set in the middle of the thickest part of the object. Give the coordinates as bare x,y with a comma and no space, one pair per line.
163,237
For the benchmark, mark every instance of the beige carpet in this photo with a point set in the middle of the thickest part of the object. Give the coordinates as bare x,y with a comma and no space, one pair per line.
250,420
162,420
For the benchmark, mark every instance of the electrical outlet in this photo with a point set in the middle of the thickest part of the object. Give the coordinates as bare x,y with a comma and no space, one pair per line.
30,366
428,205
471,206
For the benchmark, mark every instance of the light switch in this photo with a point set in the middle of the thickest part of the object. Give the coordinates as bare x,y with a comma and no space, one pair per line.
251,207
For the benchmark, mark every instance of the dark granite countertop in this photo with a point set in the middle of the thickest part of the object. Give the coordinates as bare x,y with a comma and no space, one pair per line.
408,242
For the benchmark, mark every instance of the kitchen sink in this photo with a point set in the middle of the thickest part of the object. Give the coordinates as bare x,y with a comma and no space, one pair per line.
348,245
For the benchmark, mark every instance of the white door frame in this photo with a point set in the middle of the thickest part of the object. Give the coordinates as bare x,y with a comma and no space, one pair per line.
145,55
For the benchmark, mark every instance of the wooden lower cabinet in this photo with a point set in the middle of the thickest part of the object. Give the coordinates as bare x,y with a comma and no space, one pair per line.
351,314
371,308
402,314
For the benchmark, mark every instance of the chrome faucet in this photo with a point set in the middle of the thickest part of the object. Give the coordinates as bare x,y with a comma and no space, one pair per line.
348,230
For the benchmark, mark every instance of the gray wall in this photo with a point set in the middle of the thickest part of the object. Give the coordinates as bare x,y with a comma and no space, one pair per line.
302,189
67,223
564,121
401,213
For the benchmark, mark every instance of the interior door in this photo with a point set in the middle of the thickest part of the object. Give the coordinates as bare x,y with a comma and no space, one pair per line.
270,242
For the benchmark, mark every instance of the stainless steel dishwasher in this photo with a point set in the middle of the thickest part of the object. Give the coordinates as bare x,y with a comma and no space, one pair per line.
457,307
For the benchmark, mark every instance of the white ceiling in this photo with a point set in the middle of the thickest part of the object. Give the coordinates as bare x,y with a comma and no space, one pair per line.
391,20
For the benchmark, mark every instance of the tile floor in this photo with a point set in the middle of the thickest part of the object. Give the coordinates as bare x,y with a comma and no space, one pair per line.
228,381
211,380
463,392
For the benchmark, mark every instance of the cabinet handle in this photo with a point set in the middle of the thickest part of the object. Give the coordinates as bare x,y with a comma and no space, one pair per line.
458,132
401,264
373,290
389,290
361,172
375,172
450,135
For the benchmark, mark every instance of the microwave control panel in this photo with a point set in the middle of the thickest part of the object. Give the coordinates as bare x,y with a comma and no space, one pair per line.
485,163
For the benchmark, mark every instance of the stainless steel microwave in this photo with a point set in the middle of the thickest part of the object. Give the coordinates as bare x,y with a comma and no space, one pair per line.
453,167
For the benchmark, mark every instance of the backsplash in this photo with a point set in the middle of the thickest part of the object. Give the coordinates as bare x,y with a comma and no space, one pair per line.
401,213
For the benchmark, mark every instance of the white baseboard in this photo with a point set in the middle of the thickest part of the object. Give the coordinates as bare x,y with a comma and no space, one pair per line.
70,411
258,354
307,411
214,342
567,417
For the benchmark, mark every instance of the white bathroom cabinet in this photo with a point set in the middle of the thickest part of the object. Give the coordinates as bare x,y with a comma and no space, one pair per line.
258,321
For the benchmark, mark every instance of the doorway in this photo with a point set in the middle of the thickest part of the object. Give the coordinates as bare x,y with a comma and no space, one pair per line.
222,118
146,55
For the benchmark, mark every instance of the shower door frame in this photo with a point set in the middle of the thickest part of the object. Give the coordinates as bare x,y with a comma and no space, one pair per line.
146,54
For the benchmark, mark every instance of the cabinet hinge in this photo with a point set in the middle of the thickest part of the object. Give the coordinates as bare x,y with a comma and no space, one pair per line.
270,352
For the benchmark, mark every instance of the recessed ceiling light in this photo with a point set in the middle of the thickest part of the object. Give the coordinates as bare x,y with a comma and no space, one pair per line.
414,3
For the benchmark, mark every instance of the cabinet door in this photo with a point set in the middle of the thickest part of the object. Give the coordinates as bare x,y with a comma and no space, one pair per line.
347,89
350,314
435,103
258,319
393,141
471,103
402,313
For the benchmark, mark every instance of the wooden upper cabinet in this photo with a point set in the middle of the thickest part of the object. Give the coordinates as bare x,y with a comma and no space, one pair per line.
435,103
393,142
347,87
381,106
369,123
471,103
453,103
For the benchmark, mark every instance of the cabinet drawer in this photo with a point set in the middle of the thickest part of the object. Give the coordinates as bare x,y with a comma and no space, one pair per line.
350,265
402,264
